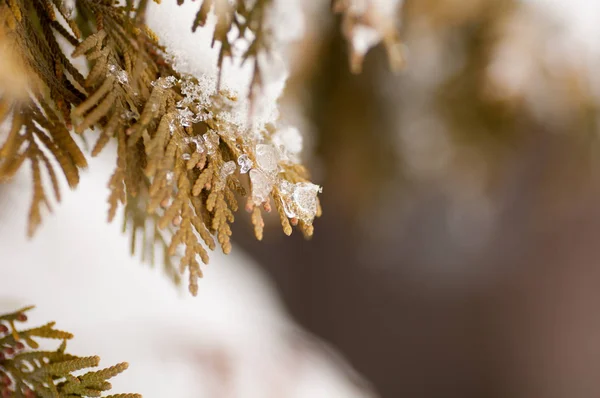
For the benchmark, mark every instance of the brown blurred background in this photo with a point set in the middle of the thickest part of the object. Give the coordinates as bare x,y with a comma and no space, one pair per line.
458,251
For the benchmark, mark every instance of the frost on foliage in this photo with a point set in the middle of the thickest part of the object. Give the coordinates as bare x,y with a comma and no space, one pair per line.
119,73
184,109
366,23
197,166
300,200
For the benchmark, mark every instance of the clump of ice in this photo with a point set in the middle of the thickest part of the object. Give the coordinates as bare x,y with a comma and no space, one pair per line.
227,169
165,82
245,163
120,74
262,186
211,142
267,158
185,117
299,200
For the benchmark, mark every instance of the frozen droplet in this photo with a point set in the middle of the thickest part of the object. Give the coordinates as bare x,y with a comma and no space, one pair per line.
227,169
186,156
261,186
128,115
197,140
119,73
299,200
169,176
286,189
245,163
211,142
185,117
267,158
305,200
165,82
122,77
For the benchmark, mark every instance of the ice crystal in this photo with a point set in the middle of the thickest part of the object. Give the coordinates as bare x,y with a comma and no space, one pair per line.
267,158
196,92
228,168
128,116
245,163
185,117
261,186
211,142
198,142
165,82
119,73
170,176
300,200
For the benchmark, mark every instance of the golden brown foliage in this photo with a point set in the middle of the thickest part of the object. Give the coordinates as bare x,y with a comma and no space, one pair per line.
178,146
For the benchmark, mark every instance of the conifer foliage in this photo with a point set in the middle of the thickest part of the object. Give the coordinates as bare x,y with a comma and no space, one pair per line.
185,155
26,371
187,158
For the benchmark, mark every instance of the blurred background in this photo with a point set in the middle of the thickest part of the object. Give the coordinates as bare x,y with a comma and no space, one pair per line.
458,254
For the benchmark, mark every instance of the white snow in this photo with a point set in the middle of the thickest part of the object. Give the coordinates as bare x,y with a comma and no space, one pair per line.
234,338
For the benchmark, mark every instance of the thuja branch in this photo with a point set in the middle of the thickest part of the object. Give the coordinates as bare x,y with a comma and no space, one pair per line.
26,371
185,157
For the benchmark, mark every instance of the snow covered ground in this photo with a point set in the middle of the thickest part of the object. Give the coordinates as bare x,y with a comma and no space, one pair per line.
233,340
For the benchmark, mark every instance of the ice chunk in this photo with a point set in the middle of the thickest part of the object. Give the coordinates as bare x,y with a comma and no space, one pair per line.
198,142
119,73
286,189
245,163
261,186
228,168
211,142
267,158
305,200
185,117
165,82
299,200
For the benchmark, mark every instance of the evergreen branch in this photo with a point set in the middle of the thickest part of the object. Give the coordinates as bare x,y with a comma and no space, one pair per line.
28,372
179,141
